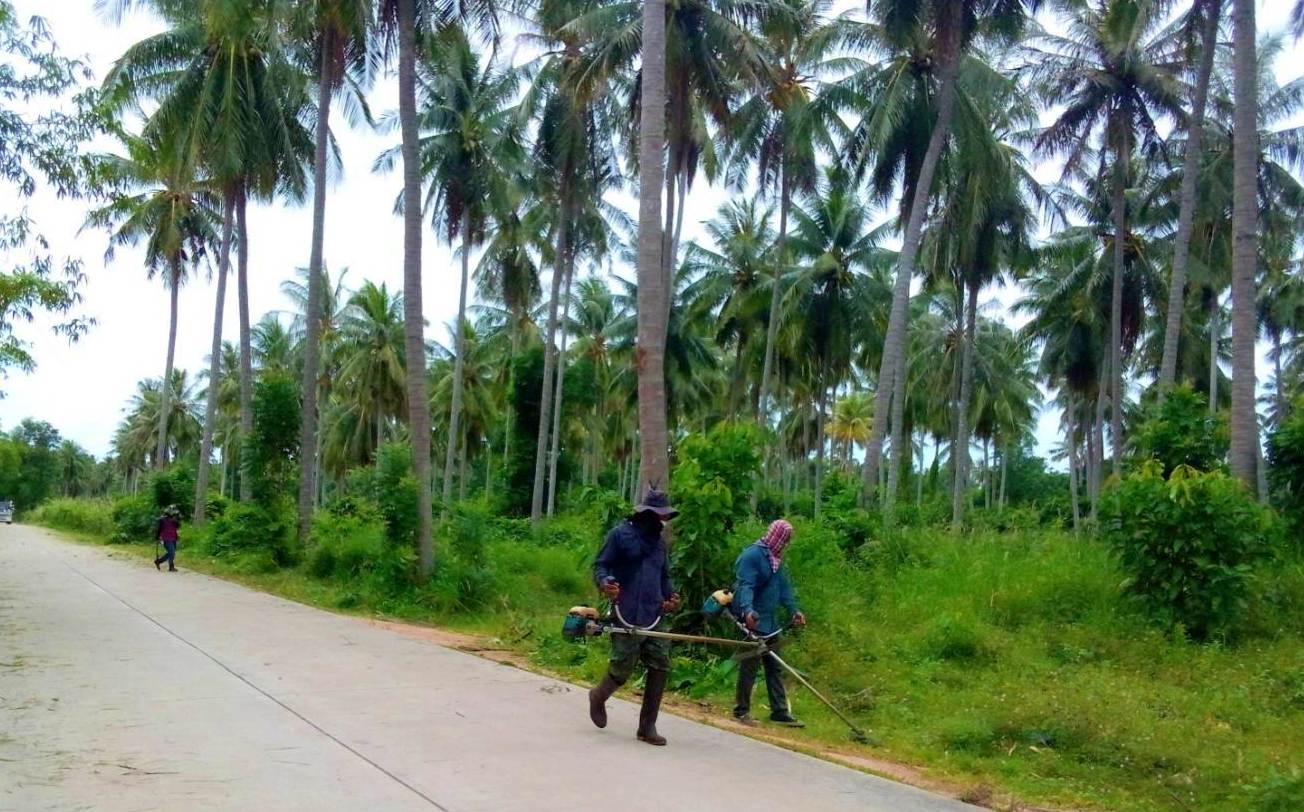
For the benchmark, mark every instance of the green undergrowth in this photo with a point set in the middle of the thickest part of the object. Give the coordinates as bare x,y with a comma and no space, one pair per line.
1009,660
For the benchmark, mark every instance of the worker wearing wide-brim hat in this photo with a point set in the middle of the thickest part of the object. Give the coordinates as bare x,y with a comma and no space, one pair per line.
633,571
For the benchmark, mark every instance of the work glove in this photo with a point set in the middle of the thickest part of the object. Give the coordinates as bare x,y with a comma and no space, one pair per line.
799,619
611,589
672,603
750,621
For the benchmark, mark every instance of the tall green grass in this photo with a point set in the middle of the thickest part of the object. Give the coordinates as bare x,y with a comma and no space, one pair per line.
1009,660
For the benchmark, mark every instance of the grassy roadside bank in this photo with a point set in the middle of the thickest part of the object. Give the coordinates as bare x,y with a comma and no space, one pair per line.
1001,664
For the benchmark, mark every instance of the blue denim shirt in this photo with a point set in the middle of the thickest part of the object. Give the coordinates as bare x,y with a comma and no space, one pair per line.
637,561
759,589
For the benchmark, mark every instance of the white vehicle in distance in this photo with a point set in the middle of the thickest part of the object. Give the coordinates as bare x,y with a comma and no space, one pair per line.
7,512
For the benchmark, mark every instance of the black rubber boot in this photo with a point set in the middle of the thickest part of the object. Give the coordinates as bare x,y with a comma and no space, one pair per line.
598,696
647,716
158,564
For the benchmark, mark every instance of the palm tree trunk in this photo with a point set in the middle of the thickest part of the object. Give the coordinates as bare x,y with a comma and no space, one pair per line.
214,363
461,473
1071,442
550,358
819,447
308,446
1186,211
165,391
772,329
459,361
987,475
1000,500
961,455
653,287
894,343
1215,336
1122,155
413,316
919,480
1245,152
555,443
1099,429
899,394
1278,393
246,348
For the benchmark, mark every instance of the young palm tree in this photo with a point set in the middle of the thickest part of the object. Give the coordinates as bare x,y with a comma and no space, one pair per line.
1111,74
157,197
372,369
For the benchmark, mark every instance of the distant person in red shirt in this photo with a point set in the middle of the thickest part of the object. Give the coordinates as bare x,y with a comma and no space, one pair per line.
168,525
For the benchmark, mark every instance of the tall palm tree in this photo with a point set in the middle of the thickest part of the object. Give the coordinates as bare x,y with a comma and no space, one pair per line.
470,144
337,34
1205,16
785,122
949,26
406,21
1111,74
1244,457
157,197
228,94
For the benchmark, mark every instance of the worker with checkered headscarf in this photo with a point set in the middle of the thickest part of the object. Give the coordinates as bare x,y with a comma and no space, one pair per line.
761,587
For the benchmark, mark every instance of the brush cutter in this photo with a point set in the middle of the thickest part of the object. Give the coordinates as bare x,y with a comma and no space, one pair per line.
719,603
584,621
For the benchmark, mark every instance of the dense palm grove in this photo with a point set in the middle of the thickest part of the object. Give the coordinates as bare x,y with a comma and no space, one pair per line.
828,301
942,221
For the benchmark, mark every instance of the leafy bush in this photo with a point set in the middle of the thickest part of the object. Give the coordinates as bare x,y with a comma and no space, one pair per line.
1278,792
174,485
1286,470
134,518
1188,544
257,530
93,516
270,453
712,483
1181,431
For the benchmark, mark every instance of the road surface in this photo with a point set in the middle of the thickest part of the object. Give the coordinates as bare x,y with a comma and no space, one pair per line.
122,688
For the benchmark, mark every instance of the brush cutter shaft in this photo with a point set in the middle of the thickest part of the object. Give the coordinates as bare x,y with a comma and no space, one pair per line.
770,653
683,638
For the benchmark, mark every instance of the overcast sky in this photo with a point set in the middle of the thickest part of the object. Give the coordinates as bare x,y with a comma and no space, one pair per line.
81,389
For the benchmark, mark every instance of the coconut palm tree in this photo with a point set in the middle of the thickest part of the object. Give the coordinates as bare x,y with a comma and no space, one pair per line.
470,142
1244,456
1205,16
784,122
338,39
950,28
229,96
156,197
371,372
1111,74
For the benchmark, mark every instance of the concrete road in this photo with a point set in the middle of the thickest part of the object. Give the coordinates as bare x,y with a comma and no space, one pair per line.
122,688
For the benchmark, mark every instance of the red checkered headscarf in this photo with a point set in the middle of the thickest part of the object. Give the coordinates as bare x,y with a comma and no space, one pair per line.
775,541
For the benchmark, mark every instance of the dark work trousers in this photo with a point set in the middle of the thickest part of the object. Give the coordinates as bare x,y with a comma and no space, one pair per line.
169,555
773,684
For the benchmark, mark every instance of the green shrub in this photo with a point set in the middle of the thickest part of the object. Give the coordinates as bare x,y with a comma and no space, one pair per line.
93,516
134,518
1286,471
174,485
269,457
1187,544
1181,431
253,528
1278,792
950,637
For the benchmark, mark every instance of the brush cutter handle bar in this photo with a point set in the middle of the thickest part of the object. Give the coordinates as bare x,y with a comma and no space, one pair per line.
616,608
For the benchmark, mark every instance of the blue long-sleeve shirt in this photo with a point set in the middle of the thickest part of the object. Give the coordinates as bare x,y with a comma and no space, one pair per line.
636,559
758,588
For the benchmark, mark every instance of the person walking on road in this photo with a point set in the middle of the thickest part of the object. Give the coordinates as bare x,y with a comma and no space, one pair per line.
761,586
167,532
633,571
